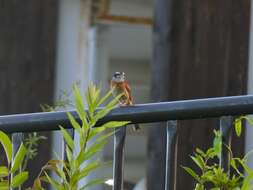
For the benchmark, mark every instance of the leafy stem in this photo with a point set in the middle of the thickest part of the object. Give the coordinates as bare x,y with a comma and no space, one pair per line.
92,140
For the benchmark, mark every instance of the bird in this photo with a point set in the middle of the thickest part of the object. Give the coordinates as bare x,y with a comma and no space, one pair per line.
120,85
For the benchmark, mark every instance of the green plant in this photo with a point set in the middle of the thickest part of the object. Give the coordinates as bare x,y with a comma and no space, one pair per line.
62,102
211,175
31,142
11,176
92,140
238,123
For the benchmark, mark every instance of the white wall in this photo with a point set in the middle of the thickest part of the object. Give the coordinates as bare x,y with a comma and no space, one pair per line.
129,49
136,8
72,64
91,54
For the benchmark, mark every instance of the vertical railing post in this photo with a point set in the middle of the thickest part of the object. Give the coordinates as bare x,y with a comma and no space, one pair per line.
118,158
17,139
171,156
226,124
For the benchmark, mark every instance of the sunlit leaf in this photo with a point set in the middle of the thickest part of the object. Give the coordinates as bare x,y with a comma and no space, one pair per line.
115,124
95,148
19,179
4,185
4,171
37,184
92,183
104,136
69,154
247,182
80,106
238,126
18,160
94,131
6,143
89,168
199,151
191,172
73,122
104,98
199,161
90,98
54,183
68,139
217,142
91,151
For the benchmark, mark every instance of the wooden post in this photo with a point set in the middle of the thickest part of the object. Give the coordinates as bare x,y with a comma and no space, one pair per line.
201,50
27,61
160,69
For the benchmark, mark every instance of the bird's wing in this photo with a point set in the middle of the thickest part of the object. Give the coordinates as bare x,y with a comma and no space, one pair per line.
128,90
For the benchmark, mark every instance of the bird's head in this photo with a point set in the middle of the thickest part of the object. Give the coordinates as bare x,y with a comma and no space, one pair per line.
118,77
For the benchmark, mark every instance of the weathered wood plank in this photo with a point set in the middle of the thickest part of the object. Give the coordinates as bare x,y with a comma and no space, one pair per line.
207,49
27,59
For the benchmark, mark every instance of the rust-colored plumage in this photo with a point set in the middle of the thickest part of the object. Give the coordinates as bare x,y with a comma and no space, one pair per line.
121,86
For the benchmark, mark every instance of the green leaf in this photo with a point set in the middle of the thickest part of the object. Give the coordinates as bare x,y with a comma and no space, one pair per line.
37,185
18,160
105,136
238,126
247,182
54,183
4,171
78,98
199,161
248,119
115,124
69,154
104,98
73,122
92,150
80,106
94,94
207,176
111,124
91,97
211,153
92,183
107,109
199,187
19,179
89,168
4,185
6,142
95,131
95,148
200,152
192,173
68,139
217,142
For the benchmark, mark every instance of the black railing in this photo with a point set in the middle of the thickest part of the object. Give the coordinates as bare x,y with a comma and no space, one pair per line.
223,108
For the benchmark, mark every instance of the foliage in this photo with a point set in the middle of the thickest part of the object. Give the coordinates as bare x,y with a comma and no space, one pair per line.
70,172
31,143
11,176
62,102
238,123
211,175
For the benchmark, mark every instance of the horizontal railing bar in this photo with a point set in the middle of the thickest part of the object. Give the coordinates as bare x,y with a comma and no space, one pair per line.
141,113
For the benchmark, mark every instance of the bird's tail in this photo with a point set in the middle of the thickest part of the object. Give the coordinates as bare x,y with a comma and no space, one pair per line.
136,127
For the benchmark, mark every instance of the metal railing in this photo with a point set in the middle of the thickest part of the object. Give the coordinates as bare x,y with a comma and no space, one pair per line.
223,108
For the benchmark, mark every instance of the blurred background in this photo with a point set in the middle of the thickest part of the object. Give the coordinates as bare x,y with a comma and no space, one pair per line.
169,50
